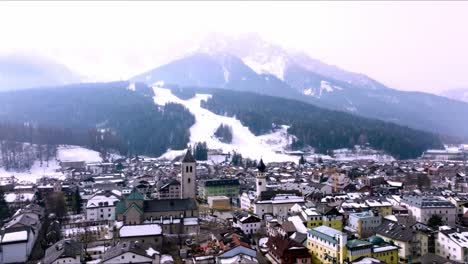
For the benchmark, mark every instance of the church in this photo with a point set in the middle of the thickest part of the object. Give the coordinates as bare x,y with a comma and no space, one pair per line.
275,203
176,215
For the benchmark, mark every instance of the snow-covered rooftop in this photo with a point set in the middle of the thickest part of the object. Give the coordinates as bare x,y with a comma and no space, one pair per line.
140,230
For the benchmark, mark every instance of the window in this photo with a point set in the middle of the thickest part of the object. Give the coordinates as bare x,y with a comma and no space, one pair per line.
190,168
188,180
186,169
123,257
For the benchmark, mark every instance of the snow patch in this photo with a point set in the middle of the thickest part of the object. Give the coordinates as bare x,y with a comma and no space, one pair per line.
262,65
243,141
75,153
131,87
308,91
51,168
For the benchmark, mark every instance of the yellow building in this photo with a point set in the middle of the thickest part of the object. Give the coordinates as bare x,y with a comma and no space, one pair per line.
375,247
383,207
322,215
327,245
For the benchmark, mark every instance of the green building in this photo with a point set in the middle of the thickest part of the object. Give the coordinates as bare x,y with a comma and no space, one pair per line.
220,187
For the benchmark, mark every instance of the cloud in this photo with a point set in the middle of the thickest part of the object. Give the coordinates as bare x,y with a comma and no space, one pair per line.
416,45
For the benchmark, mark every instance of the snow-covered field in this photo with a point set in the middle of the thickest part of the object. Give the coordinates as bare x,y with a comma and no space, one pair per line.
243,141
51,168
75,153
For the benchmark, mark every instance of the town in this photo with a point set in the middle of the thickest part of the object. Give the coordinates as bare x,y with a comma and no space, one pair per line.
145,210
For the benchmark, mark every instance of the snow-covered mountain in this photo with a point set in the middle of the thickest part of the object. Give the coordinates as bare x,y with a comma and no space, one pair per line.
264,57
22,72
217,70
460,94
248,63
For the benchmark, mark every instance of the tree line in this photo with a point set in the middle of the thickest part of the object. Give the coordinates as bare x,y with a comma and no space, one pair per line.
322,129
101,116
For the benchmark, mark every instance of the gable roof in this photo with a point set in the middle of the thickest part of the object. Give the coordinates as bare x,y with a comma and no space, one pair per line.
124,247
62,249
395,231
134,205
135,195
238,250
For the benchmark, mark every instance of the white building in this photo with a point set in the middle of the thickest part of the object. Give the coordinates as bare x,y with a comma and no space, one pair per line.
422,208
247,200
131,252
276,203
16,245
101,207
279,204
364,224
248,223
452,244
170,190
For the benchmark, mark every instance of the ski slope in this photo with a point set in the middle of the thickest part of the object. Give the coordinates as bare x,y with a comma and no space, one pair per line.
243,141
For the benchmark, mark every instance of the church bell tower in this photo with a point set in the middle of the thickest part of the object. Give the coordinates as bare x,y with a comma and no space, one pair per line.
261,178
188,176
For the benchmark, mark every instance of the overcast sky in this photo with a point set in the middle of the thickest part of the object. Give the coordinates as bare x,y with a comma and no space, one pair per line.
406,45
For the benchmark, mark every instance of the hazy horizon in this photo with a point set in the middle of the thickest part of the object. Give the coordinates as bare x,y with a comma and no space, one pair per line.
418,46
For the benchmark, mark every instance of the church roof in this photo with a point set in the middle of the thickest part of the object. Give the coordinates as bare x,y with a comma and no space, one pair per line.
261,166
188,157
170,205
135,195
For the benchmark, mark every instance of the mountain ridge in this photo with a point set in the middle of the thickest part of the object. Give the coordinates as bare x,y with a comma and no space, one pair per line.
310,80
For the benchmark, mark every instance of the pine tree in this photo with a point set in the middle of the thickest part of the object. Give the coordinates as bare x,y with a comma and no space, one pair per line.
77,201
119,167
302,160
4,210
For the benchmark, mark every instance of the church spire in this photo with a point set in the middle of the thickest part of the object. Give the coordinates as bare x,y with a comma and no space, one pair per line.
188,157
261,166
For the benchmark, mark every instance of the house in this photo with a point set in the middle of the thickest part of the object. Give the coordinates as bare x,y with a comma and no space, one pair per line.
170,190
322,214
147,233
102,206
247,200
364,224
422,208
16,244
452,243
131,252
282,250
383,207
238,254
327,244
412,243
375,247
64,251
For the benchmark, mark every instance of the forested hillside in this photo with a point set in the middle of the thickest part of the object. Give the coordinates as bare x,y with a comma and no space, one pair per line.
100,116
320,128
